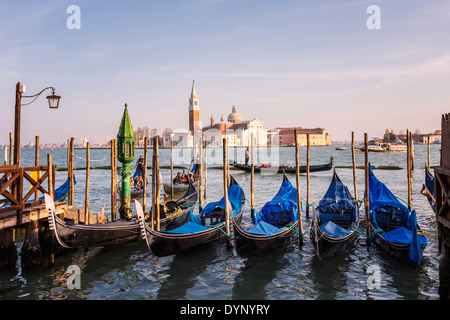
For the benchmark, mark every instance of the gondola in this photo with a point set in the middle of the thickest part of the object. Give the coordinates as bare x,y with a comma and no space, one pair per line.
71,235
274,226
428,189
205,227
179,189
283,169
335,220
393,227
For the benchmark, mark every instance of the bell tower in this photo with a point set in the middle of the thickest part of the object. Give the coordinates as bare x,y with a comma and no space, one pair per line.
194,111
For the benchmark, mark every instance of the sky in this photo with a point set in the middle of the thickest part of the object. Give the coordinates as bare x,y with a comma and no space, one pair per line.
288,62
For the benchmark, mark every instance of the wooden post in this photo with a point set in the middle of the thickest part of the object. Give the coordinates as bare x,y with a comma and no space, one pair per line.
200,176
153,212
113,179
297,179
51,193
428,150
11,148
70,174
144,174
307,175
206,166
225,188
36,163
408,170
366,198
252,176
157,189
6,155
354,168
86,194
171,165
50,175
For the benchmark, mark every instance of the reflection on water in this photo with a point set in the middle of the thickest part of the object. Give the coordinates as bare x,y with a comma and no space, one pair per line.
214,271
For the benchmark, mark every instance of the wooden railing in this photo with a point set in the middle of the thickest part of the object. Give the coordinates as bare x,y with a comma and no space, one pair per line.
14,182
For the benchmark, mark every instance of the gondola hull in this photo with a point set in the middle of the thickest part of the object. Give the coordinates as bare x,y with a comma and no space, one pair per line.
281,169
248,244
398,251
163,244
71,235
325,246
178,189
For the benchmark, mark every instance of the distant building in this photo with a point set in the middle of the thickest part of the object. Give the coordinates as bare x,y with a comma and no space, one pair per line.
422,137
317,136
237,131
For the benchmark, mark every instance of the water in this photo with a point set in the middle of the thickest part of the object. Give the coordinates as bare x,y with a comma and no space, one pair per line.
214,272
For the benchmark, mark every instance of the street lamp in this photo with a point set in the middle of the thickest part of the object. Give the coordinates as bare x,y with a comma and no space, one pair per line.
53,103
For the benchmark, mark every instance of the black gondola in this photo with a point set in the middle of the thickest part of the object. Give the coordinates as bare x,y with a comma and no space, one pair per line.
393,227
179,189
335,220
202,228
274,227
283,169
428,189
71,235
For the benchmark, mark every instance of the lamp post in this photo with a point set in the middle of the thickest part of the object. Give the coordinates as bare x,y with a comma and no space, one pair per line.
53,102
125,143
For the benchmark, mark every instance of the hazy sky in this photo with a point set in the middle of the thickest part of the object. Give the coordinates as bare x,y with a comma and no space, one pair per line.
291,63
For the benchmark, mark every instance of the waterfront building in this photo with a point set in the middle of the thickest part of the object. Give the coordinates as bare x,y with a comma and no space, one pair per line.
317,136
237,131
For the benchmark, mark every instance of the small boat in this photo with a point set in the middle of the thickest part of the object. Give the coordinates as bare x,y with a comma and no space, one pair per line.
206,227
71,235
341,148
179,189
274,226
135,191
393,227
428,189
283,169
335,220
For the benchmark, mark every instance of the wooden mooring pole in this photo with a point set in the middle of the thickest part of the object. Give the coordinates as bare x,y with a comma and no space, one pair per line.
88,174
157,187
307,175
144,175
36,163
71,195
225,189
252,177
354,168
206,167
113,179
366,196
200,176
408,167
297,179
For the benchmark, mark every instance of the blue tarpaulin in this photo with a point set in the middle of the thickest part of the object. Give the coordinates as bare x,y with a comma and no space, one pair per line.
333,230
284,200
264,228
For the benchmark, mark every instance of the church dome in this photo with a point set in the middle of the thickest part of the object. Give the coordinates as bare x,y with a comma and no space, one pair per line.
234,116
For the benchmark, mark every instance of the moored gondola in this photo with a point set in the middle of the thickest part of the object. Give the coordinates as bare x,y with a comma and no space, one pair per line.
428,189
180,188
283,169
205,227
334,227
71,235
393,227
274,226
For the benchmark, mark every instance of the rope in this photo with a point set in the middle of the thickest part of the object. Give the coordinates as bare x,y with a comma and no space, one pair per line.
296,230
90,159
217,226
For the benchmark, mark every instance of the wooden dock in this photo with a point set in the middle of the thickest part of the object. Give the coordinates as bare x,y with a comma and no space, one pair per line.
442,187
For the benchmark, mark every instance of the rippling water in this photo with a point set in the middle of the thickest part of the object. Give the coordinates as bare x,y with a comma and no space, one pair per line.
214,272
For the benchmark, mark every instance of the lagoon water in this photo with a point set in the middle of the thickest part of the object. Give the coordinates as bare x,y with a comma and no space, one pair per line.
214,272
